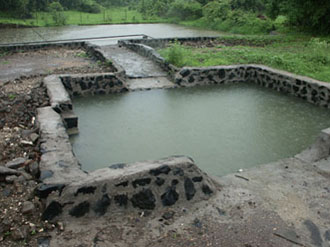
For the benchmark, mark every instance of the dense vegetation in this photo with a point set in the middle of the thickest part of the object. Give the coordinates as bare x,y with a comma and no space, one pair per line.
300,55
238,16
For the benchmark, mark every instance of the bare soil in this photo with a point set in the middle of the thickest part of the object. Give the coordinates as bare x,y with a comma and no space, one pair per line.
21,94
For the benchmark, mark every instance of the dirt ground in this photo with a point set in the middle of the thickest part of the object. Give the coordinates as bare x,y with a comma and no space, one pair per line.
46,61
21,93
286,203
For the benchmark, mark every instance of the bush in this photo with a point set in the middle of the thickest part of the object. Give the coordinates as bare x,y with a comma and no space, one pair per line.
216,10
56,9
185,10
90,7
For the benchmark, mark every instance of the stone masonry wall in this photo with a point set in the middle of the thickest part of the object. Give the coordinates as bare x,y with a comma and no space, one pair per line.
313,91
141,186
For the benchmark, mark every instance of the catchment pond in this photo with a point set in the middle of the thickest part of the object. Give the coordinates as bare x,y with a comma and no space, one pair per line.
223,128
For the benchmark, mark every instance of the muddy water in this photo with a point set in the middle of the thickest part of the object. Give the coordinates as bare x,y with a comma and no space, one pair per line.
223,128
72,32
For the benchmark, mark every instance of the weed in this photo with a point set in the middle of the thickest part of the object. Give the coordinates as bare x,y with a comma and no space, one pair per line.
12,96
175,54
82,54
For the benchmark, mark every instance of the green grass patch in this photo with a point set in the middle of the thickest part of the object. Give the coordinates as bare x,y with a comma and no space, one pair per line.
299,55
118,15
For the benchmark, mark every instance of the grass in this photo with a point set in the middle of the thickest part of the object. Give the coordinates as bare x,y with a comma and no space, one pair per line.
300,55
118,15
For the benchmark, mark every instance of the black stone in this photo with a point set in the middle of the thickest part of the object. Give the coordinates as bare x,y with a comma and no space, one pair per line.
314,233
231,76
197,179
191,79
159,181
102,205
124,184
85,190
83,85
71,122
117,166
295,88
163,169
54,209
43,190
174,182
168,215
141,182
327,235
206,189
178,171
184,72
222,73
43,242
170,196
121,200
80,210
45,174
145,199
189,188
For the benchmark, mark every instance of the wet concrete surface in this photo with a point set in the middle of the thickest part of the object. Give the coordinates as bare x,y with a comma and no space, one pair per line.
136,66
149,83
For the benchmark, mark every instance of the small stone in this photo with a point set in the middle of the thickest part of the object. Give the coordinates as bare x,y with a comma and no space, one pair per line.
7,171
6,192
60,226
11,179
34,137
43,242
168,215
20,233
15,163
34,169
28,207
197,223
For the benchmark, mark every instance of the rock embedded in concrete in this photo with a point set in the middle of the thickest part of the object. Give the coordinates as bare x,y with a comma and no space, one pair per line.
102,205
86,190
145,199
141,182
206,189
80,210
170,197
121,200
159,181
189,188
52,210
163,169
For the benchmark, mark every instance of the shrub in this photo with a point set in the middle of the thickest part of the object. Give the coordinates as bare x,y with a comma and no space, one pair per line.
216,10
185,9
176,55
90,6
56,9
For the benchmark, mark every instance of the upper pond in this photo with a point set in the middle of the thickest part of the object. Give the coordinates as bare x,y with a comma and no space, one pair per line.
12,35
223,128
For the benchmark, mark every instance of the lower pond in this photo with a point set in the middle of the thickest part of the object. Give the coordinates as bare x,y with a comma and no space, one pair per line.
223,128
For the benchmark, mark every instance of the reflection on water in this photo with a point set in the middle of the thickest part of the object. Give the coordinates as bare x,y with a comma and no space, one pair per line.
71,32
223,128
